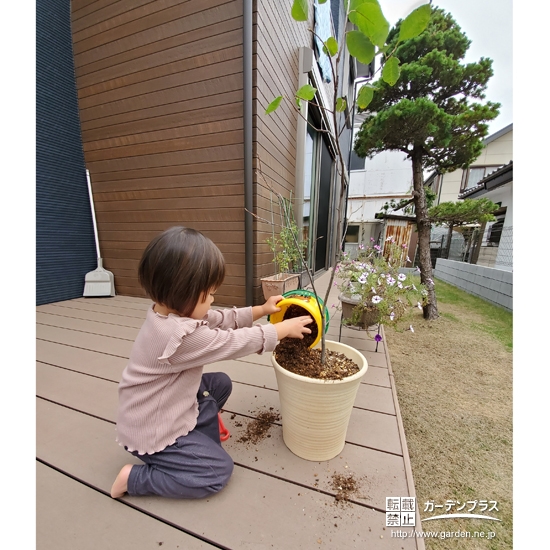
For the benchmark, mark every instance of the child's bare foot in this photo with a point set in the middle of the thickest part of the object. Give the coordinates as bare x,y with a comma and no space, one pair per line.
120,486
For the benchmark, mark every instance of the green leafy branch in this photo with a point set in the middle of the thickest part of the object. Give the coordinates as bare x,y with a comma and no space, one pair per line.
363,44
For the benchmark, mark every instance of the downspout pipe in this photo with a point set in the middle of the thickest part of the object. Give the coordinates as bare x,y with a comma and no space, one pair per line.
305,63
248,161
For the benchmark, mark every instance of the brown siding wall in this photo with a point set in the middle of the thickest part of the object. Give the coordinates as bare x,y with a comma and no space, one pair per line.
277,39
160,95
160,88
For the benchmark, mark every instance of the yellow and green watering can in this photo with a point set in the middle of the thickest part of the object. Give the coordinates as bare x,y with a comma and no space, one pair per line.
306,300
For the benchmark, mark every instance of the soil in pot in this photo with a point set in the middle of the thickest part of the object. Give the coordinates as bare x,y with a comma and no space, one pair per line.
296,356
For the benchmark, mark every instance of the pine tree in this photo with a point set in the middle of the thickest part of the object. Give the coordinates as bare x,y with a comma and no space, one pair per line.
434,114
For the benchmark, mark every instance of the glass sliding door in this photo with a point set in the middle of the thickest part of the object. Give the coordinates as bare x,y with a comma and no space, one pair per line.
317,197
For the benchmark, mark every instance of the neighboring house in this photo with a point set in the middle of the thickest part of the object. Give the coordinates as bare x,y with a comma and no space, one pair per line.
490,176
171,100
496,243
374,182
497,152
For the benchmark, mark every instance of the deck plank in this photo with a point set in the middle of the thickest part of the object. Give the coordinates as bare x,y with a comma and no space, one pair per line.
85,361
115,311
82,347
85,325
99,397
64,502
85,340
87,315
254,511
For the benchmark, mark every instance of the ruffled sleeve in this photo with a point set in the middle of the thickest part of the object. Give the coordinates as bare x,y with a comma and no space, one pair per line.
182,328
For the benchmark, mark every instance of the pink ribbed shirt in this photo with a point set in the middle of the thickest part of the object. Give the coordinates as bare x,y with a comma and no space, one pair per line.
158,390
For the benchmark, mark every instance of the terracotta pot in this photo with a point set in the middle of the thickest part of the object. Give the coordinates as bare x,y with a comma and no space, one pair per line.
315,413
279,284
369,317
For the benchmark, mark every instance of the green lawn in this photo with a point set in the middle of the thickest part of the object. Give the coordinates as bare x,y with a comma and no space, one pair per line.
453,378
497,321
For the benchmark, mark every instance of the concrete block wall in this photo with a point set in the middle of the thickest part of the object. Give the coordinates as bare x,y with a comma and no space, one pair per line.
489,283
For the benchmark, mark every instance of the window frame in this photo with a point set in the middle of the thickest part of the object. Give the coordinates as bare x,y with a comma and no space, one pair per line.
466,174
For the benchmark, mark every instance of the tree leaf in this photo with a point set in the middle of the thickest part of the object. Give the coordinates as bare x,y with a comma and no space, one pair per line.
306,92
415,22
331,46
360,47
273,105
370,20
366,93
391,71
299,10
341,104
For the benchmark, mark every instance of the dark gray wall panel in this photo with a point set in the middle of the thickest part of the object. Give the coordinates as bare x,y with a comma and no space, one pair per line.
65,247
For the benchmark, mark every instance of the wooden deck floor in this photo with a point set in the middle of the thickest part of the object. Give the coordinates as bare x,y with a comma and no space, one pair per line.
274,499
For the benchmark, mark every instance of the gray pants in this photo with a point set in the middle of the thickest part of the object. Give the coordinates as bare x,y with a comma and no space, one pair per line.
196,465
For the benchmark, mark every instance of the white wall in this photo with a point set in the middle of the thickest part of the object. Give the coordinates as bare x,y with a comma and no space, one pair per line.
387,175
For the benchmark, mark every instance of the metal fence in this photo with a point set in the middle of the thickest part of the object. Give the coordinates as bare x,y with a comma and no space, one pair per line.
497,248
493,248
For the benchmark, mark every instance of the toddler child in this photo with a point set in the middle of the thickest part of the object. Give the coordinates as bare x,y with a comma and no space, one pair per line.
168,409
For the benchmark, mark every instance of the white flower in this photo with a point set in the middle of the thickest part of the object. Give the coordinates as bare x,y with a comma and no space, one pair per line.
411,328
419,305
376,299
401,276
373,290
399,284
391,280
392,315
363,278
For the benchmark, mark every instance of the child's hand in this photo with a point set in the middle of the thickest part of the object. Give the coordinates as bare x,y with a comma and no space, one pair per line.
271,305
294,327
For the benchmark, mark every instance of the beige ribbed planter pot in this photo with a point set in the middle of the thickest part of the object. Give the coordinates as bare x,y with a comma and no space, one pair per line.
279,284
316,413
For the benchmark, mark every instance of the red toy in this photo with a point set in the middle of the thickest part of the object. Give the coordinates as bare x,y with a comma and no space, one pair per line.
224,432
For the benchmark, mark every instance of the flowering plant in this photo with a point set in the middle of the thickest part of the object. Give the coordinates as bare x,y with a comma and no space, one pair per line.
374,284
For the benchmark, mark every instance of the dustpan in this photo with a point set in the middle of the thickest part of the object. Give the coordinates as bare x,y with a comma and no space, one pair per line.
98,282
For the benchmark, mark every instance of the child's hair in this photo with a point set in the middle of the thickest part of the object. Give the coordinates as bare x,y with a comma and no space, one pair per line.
179,267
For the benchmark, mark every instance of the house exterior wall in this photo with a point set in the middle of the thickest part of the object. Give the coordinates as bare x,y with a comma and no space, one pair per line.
277,41
500,256
497,152
386,176
160,90
65,244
